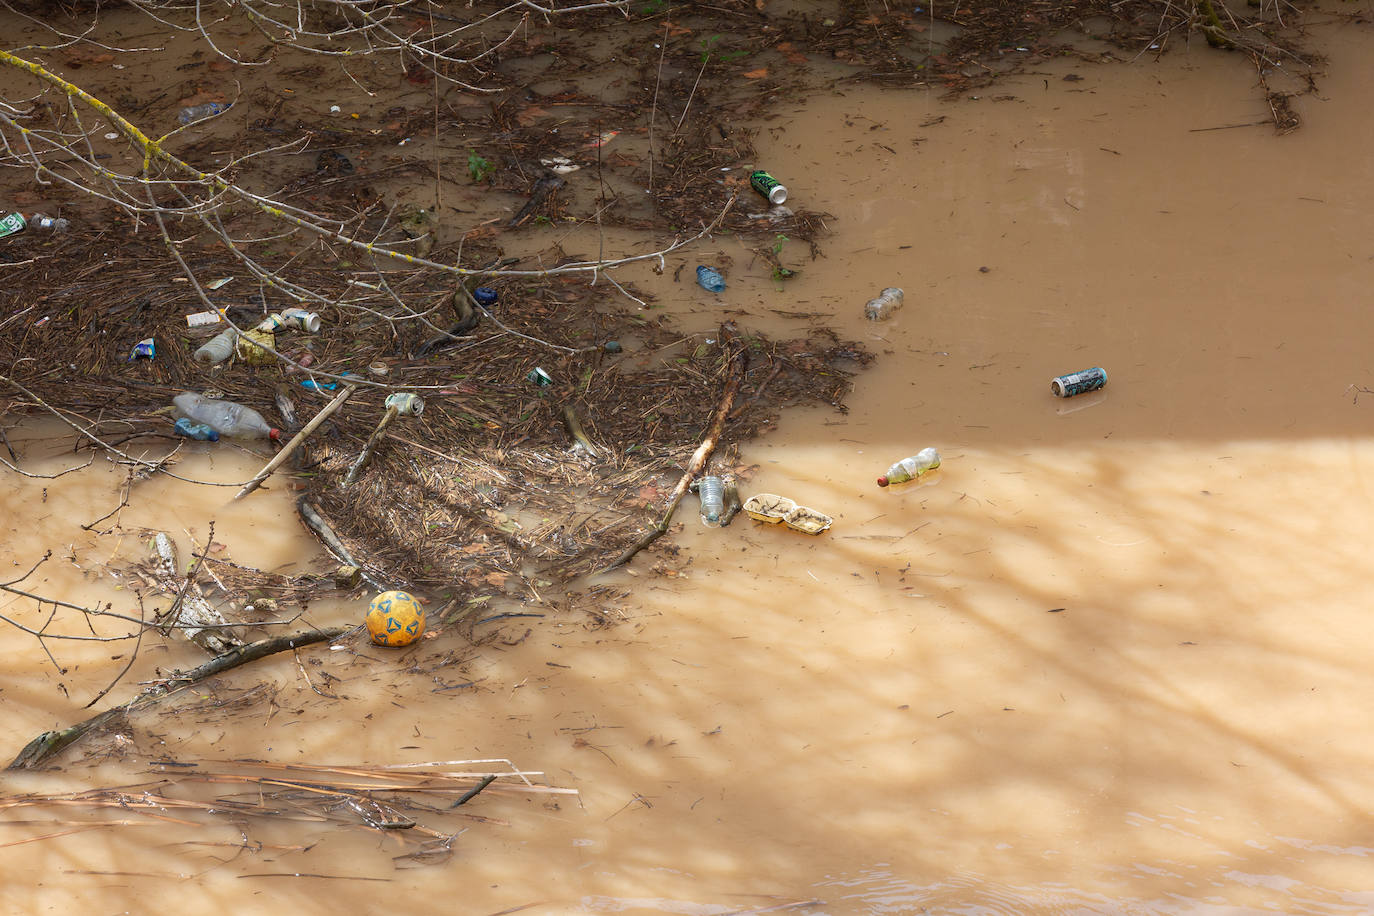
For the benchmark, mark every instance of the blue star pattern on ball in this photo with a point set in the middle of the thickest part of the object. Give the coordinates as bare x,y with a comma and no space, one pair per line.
395,619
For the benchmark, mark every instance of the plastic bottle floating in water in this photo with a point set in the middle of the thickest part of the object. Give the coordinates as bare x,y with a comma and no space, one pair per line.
927,459
711,490
884,304
225,417
710,280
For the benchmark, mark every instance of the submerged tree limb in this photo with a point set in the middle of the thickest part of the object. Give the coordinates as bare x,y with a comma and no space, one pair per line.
325,532
49,744
735,373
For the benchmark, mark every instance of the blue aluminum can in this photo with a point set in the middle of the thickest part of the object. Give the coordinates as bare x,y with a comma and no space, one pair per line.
1066,386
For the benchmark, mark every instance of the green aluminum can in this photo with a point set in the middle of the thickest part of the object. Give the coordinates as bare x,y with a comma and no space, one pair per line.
12,224
768,186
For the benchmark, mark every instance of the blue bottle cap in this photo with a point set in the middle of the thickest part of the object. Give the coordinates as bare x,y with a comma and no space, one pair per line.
485,295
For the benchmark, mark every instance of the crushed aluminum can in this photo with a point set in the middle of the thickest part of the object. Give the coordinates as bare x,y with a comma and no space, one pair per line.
1066,386
301,320
253,347
12,224
411,405
144,349
539,378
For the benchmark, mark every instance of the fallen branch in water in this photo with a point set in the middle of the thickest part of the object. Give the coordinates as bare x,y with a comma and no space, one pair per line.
49,744
735,373
295,443
325,532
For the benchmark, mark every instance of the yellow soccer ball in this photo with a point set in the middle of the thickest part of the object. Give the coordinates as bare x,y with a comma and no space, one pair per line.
395,619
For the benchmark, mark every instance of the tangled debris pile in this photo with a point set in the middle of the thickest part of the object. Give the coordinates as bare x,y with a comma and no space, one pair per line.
504,480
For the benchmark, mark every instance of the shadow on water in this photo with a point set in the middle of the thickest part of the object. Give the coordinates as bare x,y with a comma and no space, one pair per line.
1109,659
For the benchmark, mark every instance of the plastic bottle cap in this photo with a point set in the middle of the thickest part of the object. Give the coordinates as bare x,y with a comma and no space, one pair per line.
274,434
882,481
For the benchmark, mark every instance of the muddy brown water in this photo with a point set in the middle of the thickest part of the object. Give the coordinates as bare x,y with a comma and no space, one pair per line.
1111,658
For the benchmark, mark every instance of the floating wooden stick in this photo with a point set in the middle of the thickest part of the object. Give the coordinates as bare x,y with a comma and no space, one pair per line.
396,404
296,441
325,532
735,367
49,744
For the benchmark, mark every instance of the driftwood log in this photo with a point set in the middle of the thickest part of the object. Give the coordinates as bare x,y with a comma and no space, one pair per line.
734,369
49,744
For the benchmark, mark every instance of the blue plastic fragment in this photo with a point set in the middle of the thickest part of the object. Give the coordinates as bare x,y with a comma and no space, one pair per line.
710,280
193,430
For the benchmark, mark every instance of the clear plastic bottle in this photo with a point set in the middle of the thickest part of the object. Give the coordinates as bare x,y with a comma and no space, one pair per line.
927,459
887,302
217,349
710,280
40,223
225,417
711,490
196,113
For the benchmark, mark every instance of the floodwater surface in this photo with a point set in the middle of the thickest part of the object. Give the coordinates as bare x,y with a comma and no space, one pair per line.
1109,658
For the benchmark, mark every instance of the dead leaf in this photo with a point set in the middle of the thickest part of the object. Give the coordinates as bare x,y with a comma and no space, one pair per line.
496,579
647,496
758,74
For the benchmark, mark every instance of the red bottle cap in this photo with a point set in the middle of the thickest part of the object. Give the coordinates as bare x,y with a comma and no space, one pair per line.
882,481
274,434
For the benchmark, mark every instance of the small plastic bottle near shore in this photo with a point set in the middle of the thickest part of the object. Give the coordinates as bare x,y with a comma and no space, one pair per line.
56,225
194,113
711,490
887,302
710,280
192,430
227,418
927,459
217,349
